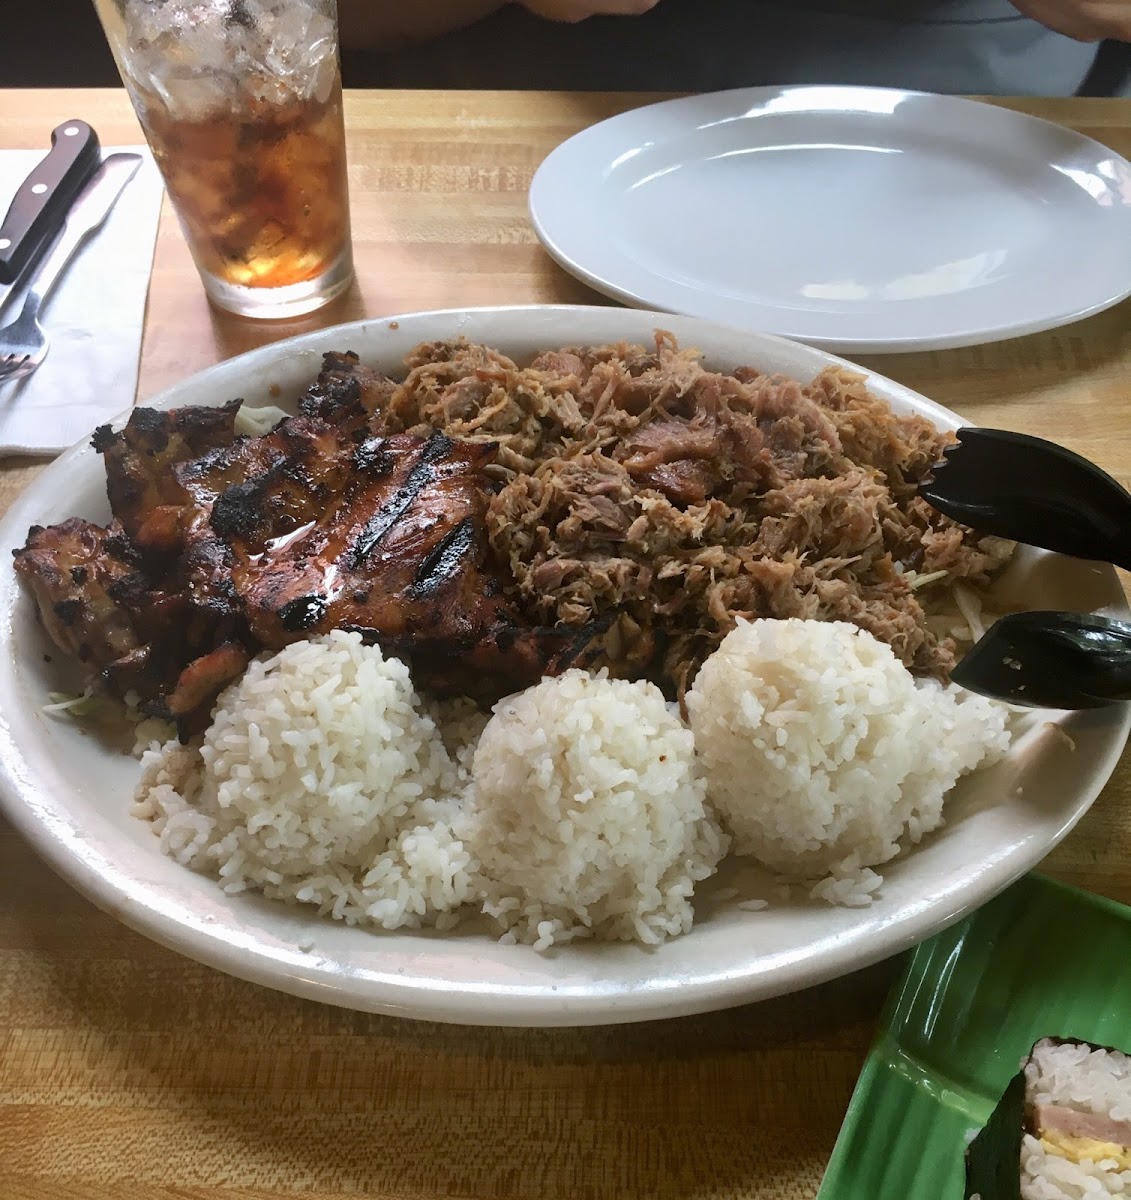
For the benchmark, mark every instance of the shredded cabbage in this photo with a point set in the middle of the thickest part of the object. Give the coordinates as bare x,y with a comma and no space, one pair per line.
80,707
917,581
259,420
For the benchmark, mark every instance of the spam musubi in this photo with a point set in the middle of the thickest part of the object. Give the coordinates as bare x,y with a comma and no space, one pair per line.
1061,1131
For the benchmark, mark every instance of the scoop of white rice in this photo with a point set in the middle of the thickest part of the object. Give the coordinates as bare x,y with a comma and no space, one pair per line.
322,780
822,754
588,814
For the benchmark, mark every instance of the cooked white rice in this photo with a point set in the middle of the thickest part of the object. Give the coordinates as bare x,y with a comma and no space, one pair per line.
325,780
823,754
1088,1079
588,814
322,780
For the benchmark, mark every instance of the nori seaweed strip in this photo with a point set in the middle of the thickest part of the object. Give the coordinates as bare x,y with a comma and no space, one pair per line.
993,1158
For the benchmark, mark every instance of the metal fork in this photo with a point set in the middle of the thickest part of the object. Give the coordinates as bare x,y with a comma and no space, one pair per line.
23,343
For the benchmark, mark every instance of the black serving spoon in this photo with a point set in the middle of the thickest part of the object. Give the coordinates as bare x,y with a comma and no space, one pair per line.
1033,491
1051,660
1029,490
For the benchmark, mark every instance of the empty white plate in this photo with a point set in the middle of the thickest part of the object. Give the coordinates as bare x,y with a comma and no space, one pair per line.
860,220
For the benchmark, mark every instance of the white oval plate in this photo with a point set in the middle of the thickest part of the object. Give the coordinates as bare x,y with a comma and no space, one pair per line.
69,795
859,220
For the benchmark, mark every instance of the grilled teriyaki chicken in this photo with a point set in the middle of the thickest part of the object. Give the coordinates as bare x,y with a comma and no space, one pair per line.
223,545
633,500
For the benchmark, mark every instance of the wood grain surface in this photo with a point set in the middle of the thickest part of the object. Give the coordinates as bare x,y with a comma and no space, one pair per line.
129,1073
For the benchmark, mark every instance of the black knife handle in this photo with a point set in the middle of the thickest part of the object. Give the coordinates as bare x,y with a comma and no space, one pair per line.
39,207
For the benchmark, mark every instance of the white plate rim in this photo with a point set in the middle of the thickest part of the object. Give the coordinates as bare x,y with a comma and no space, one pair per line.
49,825
546,177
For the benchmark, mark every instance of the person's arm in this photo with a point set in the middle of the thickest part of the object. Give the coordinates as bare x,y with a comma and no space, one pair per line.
387,24
1084,20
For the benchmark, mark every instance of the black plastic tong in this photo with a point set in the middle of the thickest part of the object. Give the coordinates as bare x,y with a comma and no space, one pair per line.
1033,491
1051,660
1029,490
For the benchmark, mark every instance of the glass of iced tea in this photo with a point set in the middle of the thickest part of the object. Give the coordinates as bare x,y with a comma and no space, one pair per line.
241,101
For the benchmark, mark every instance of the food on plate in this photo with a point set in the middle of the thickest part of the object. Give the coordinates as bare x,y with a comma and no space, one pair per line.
608,506
585,806
1062,1129
639,485
260,541
322,779
822,753
703,605
587,813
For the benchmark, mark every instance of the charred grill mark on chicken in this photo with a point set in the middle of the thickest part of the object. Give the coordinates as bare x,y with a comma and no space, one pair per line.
423,472
401,554
447,558
224,545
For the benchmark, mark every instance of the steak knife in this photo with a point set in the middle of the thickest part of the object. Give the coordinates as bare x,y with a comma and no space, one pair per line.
40,205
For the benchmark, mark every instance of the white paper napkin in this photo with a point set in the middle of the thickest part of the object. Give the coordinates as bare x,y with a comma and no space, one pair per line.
93,319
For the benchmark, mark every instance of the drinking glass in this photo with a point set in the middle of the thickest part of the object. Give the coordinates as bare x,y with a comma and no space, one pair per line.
241,102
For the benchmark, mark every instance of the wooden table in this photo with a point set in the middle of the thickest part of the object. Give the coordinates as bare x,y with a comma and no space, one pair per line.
128,1073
